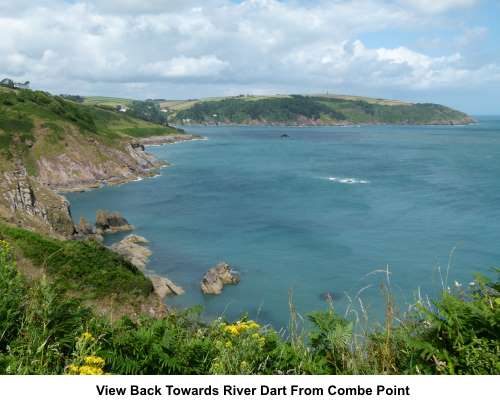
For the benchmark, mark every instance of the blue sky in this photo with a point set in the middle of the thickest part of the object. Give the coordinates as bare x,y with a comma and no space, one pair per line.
444,51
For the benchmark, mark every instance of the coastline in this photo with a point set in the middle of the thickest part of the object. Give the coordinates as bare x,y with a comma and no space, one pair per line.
150,168
313,124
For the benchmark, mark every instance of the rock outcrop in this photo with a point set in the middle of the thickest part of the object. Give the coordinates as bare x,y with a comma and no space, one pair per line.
214,279
133,249
85,230
111,222
35,206
164,286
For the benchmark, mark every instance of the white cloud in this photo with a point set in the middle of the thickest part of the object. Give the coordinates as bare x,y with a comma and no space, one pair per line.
142,47
181,67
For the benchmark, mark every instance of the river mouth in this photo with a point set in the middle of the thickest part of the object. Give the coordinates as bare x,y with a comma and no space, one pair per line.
320,215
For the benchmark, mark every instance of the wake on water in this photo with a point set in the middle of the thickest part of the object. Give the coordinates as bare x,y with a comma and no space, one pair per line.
347,180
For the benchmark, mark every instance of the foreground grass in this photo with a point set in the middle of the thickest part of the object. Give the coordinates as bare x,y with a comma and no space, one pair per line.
44,332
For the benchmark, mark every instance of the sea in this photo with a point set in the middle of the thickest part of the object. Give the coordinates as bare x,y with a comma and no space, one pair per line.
325,217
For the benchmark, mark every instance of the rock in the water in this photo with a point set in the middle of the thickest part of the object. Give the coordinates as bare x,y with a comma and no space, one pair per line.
85,230
163,287
214,279
85,227
132,248
111,222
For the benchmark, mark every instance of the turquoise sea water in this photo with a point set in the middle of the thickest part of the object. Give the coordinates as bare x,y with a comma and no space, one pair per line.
317,212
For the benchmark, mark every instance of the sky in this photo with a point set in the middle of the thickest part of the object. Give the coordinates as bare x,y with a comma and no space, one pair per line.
442,51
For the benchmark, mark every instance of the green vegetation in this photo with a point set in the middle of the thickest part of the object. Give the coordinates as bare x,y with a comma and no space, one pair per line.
147,111
83,267
109,101
35,117
42,331
297,109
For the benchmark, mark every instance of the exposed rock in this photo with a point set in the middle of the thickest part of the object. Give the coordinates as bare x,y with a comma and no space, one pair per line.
214,279
111,222
163,287
132,248
85,227
85,230
36,205
165,139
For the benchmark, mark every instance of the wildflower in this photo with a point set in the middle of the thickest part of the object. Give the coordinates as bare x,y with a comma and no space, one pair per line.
90,370
87,336
4,246
240,327
73,369
94,361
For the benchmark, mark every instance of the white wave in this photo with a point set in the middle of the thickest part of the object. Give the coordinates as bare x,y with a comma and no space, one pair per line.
348,180
138,179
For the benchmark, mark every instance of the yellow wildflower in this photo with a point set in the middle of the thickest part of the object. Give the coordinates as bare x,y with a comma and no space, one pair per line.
73,369
90,370
87,336
241,326
4,245
94,361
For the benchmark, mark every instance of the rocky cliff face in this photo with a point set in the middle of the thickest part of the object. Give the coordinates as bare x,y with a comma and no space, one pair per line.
34,206
81,168
32,200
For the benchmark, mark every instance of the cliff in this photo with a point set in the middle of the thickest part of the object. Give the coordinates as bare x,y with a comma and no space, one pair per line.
49,144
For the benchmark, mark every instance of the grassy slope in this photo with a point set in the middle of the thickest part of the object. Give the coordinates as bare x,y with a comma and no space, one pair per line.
312,110
30,118
83,268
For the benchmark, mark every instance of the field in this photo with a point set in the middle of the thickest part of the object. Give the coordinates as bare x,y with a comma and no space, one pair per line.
107,101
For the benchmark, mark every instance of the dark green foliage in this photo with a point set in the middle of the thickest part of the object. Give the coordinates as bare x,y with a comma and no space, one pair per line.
460,335
75,98
179,344
331,340
298,109
85,267
147,111
269,110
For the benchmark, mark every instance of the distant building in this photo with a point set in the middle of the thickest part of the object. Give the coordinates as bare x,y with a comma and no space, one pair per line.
13,85
121,108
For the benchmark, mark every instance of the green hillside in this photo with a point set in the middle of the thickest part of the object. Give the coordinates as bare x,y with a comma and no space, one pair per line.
35,123
311,110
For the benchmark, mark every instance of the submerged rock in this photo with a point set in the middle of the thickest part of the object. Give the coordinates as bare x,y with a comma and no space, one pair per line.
111,222
214,279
